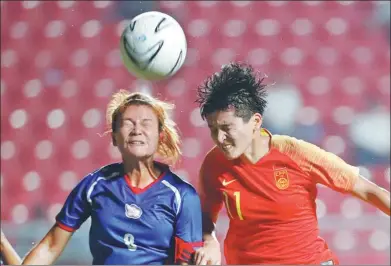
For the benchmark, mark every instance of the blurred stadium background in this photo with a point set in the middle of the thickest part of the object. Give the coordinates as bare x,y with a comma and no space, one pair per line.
330,62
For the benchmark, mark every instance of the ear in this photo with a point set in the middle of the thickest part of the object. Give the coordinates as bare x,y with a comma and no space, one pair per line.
257,119
161,135
113,139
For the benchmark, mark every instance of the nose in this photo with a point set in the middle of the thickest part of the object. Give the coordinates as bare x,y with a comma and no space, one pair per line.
221,136
136,130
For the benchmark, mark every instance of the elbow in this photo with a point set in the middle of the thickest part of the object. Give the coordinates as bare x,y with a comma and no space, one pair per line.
37,255
373,194
43,254
380,198
49,249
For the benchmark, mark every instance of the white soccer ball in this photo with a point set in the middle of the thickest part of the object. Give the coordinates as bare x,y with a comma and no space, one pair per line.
153,46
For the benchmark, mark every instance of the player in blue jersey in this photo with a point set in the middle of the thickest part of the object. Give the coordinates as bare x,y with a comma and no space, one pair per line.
141,212
7,253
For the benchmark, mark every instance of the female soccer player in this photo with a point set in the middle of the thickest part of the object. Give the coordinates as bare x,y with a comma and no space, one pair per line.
141,212
267,182
7,252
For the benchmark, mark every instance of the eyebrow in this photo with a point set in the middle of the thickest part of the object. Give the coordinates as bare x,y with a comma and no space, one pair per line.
142,120
220,125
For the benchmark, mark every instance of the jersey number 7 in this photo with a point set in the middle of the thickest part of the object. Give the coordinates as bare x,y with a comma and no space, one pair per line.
237,204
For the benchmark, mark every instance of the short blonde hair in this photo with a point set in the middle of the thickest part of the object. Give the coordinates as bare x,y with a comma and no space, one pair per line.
169,142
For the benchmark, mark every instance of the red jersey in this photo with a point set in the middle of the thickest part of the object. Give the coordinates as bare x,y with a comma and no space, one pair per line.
271,203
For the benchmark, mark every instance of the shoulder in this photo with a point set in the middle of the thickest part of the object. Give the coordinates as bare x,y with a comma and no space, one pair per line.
306,154
214,154
110,171
178,183
104,173
282,142
292,146
97,179
214,159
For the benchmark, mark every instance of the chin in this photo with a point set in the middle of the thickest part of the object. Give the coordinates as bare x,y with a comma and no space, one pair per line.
231,156
139,155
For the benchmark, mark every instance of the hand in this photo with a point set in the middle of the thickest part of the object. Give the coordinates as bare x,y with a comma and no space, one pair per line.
209,254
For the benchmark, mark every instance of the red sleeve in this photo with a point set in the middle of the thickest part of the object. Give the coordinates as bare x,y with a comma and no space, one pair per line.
184,250
211,200
323,167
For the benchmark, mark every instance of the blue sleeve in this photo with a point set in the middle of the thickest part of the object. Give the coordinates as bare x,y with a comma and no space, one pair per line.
188,233
76,209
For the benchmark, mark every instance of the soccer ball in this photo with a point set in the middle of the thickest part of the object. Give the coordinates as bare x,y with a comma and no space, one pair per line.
153,46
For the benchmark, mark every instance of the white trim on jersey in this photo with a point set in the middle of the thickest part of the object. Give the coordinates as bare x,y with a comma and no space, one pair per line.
91,189
176,192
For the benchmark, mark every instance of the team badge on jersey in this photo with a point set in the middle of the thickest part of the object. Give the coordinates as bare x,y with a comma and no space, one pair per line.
133,211
282,179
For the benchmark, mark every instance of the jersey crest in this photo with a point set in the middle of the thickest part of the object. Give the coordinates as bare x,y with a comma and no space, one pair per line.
282,179
133,211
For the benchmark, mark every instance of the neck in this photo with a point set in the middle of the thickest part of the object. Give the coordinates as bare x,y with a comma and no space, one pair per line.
141,172
259,147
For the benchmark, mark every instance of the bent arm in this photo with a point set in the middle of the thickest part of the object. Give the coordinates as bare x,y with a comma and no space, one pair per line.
211,202
208,227
188,231
49,248
210,254
8,253
373,194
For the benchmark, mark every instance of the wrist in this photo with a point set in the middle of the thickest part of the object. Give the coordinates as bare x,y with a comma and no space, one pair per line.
210,239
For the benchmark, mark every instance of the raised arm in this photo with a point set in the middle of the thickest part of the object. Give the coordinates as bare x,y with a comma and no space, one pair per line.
72,215
49,248
8,253
373,194
330,170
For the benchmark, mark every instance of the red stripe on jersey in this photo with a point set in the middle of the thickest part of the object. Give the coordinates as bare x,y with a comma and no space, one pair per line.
65,227
184,250
137,190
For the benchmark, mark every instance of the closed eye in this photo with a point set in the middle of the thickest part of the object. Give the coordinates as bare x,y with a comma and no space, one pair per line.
225,128
127,123
147,122
212,129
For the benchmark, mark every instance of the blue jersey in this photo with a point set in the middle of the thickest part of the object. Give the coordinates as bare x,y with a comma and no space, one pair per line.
160,224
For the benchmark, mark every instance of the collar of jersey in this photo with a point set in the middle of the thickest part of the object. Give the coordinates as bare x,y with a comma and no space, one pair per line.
163,167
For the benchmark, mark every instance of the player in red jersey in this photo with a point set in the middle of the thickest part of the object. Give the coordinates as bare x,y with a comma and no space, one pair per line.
267,182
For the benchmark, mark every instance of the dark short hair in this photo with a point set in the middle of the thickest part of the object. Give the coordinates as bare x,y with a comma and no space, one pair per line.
235,85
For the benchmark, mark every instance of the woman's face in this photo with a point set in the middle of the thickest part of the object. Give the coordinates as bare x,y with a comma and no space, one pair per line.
137,132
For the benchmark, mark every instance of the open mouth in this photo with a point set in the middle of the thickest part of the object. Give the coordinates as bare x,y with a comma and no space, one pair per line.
226,147
136,142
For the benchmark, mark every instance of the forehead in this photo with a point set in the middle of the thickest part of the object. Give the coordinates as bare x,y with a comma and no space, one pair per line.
139,111
223,117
